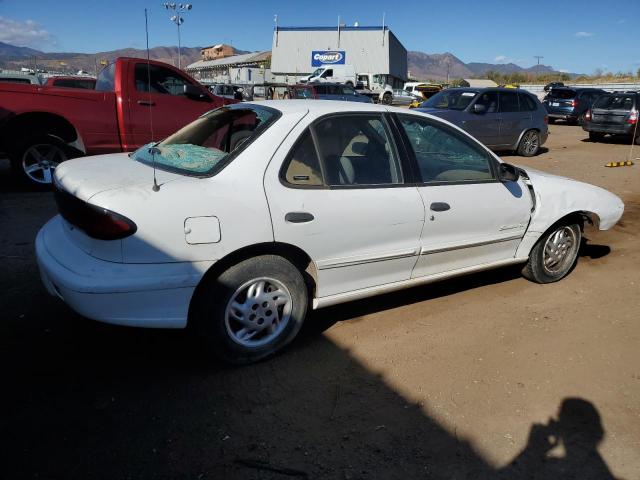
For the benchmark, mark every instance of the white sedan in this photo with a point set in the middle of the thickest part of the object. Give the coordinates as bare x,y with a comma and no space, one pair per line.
262,211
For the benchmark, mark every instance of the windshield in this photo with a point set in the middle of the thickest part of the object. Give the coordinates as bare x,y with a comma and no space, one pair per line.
450,100
317,72
614,102
206,145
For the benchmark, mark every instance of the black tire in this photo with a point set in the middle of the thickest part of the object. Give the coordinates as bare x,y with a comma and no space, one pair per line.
536,270
595,136
529,143
214,299
349,84
49,149
387,98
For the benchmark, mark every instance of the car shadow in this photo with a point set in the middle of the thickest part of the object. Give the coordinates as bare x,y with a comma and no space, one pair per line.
610,140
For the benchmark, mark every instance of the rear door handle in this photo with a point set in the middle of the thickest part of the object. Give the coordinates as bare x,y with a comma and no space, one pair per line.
298,217
440,206
148,103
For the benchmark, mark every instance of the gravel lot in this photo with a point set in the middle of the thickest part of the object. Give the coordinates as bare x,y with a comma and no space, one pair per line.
462,379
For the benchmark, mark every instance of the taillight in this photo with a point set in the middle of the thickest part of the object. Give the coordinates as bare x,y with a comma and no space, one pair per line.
97,222
633,117
574,103
587,115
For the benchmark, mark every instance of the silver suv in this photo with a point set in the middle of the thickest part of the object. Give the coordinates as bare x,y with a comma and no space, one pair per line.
501,118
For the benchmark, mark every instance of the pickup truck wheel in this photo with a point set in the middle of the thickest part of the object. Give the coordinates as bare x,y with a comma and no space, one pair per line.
35,159
252,310
529,144
387,98
555,253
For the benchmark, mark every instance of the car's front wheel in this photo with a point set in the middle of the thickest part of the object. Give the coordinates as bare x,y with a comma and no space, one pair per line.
251,310
529,144
555,253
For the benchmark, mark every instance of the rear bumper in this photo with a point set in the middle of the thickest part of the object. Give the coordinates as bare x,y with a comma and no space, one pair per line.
624,129
140,295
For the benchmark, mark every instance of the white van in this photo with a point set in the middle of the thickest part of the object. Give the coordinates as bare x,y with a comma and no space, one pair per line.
332,73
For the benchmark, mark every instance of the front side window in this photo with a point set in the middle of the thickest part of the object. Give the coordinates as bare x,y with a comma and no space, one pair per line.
357,150
489,100
509,102
327,73
158,80
450,100
444,155
207,144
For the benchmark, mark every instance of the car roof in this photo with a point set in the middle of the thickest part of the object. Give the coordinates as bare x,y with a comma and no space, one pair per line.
325,106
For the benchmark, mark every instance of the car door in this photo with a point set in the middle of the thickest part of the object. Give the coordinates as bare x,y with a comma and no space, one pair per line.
158,103
483,125
512,121
336,189
472,219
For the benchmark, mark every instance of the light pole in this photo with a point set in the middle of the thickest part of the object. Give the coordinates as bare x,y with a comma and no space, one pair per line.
178,19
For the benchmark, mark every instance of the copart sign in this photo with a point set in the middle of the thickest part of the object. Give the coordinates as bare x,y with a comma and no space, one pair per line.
327,57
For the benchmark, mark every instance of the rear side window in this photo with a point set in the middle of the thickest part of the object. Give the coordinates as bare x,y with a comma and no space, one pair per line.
444,155
509,102
489,100
357,150
106,79
302,167
321,90
527,104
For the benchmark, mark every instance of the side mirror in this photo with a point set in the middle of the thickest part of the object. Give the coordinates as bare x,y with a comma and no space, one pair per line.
508,173
191,91
479,108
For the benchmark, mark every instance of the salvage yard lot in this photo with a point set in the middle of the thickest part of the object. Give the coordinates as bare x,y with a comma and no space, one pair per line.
440,381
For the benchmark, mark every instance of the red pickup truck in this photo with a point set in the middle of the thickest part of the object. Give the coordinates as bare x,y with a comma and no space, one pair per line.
133,103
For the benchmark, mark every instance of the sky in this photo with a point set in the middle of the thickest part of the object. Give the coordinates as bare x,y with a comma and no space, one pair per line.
573,36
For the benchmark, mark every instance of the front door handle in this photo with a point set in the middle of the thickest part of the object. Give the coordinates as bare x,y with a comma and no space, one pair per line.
147,103
298,217
440,206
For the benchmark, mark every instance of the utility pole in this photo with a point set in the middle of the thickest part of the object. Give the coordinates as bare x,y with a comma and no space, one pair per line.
178,19
538,57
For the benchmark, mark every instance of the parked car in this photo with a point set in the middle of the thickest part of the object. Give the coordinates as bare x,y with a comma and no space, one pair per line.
263,211
24,78
402,97
570,104
551,85
501,118
87,83
228,91
614,114
333,74
326,91
41,127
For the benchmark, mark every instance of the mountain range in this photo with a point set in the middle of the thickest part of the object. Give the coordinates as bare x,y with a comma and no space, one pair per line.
421,65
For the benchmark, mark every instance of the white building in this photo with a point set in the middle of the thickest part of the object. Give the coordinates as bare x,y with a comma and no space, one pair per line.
298,51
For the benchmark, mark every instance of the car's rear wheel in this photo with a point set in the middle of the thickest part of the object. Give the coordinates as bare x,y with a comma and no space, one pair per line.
35,159
596,136
555,253
529,143
251,310
387,98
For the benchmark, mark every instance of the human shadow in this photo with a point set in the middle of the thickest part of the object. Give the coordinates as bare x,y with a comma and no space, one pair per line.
577,431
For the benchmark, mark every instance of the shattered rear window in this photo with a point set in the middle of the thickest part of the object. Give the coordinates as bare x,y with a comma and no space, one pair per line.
210,142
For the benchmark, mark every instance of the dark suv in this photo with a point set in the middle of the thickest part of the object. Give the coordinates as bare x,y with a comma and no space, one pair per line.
327,91
501,118
570,104
614,114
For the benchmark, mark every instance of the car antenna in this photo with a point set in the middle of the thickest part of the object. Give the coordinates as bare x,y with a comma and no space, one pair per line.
153,150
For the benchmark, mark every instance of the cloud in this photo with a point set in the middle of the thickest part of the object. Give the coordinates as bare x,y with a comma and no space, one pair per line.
24,34
584,34
563,70
502,59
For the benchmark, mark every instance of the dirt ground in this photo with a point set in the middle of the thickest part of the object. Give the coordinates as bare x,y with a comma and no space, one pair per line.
487,376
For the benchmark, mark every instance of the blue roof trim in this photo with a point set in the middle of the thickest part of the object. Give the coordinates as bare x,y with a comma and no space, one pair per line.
325,29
